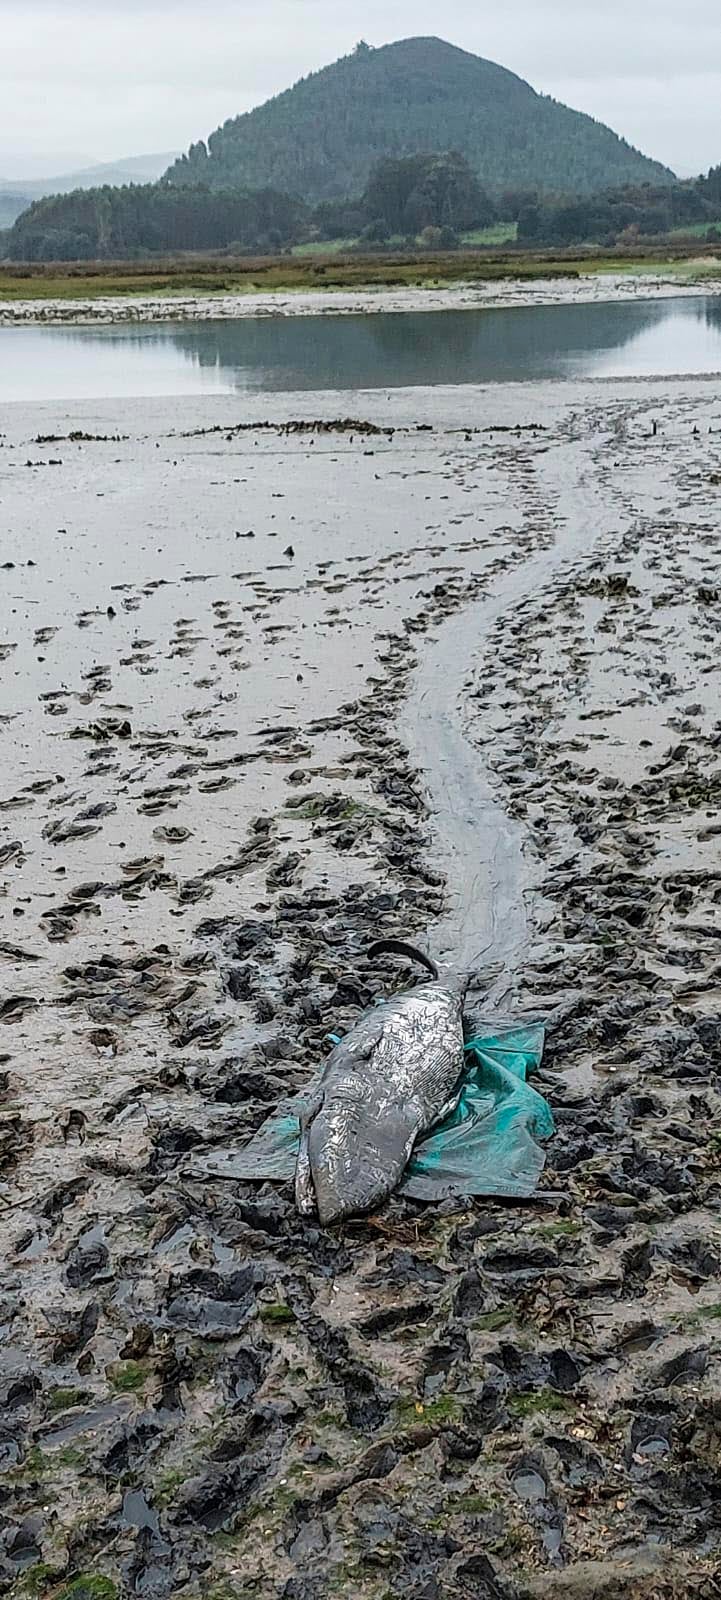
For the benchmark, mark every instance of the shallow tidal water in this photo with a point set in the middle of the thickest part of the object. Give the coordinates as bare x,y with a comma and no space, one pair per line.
280,354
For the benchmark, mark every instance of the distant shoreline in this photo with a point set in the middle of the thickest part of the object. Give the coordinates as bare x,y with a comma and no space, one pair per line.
85,302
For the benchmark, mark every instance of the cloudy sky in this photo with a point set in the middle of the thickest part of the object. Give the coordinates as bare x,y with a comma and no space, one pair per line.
82,82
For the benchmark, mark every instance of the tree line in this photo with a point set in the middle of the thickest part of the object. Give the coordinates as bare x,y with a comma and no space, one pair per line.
429,200
403,197
149,219
620,215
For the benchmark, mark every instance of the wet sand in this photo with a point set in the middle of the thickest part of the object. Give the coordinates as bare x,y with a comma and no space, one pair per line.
450,669
588,288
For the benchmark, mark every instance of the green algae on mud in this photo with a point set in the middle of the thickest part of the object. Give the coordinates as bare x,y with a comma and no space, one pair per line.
88,1586
277,1315
126,1377
63,1399
41,1581
493,1321
545,1402
414,1413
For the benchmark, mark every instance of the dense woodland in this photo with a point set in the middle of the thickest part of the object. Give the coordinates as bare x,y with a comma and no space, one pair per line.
406,197
619,215
416,202
153,219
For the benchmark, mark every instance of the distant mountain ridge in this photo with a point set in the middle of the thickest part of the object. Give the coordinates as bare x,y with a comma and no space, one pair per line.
18,193
320,139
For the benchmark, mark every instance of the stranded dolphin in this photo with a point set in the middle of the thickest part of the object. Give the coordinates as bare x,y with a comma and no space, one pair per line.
397,1072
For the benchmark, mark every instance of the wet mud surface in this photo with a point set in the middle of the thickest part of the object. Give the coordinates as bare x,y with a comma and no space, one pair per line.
447,668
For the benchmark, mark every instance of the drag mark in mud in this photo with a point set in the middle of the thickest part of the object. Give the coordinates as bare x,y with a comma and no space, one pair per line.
479,846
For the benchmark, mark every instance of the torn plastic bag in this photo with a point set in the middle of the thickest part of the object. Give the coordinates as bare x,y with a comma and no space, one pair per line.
488,1146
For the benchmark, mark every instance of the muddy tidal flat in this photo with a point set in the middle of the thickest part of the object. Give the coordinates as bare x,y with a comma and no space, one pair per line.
580,288
279,676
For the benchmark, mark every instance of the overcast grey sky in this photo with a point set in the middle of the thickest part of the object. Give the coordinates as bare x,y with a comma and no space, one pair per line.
83,82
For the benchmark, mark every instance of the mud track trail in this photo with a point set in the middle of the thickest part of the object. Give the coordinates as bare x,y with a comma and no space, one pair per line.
566,511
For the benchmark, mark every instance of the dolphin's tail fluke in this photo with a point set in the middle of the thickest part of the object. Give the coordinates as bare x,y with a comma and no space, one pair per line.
397,947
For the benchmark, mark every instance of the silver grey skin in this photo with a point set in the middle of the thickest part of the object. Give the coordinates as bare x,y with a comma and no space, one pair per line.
397,1072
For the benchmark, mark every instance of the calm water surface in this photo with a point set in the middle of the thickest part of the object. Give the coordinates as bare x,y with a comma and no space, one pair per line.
381,351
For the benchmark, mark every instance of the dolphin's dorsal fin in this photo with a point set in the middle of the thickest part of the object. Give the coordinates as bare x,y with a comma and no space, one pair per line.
398,947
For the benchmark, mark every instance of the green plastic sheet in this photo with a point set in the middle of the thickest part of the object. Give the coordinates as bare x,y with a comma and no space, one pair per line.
490,1145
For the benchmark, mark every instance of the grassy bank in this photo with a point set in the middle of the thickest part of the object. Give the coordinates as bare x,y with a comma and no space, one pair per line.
91,280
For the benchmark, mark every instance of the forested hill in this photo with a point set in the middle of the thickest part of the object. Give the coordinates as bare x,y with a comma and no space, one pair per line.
320,139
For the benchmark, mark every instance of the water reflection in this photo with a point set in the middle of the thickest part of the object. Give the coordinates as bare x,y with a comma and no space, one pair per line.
273,354
406,349
709,311
686,340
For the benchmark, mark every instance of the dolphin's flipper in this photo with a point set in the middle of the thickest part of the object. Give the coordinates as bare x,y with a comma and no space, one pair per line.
359,1044
451,1105
304,1190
